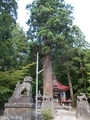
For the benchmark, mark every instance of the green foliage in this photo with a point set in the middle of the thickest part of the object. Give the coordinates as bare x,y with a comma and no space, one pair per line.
48,23
9,79
20,47
14,50
8,17
73,55
50,32
47,114
46,50
4,90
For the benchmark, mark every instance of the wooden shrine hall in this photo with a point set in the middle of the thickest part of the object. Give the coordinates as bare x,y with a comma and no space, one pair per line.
59,91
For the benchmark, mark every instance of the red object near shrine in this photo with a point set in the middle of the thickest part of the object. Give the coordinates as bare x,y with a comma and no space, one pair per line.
58,85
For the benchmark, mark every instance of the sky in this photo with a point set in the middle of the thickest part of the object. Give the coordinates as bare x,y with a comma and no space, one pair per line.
81,15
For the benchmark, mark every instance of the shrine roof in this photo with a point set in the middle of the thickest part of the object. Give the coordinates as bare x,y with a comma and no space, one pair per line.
58,85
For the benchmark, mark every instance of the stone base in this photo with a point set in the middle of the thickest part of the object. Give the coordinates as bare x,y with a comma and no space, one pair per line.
83,110
48,105
18,109
19,114
22,99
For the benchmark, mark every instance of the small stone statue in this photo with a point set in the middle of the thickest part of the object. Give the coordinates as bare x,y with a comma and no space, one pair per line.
82,97
46,97
25,86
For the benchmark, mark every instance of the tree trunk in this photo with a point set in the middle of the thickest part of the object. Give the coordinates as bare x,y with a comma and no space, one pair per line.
82,73
70,85
47,76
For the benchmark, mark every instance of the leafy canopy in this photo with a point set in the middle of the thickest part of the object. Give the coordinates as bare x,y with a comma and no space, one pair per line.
49,22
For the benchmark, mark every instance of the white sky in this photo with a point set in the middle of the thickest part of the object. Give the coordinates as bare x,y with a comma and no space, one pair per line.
81,14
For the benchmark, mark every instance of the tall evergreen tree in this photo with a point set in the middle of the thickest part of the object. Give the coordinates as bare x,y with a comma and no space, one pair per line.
8,17
71,61
49,25
20,47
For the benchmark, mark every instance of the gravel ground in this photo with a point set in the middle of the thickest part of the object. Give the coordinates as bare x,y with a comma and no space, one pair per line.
71,112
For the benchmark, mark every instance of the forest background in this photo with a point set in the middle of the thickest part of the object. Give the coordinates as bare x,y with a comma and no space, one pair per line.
51,33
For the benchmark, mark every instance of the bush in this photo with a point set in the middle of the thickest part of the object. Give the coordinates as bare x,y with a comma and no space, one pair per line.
47,114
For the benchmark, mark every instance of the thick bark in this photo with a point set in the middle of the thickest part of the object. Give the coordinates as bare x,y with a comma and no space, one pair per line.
47,76
70,85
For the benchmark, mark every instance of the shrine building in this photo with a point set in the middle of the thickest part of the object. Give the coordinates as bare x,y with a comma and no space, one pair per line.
59,91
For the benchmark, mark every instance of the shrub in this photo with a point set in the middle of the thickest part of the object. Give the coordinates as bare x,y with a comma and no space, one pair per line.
47,114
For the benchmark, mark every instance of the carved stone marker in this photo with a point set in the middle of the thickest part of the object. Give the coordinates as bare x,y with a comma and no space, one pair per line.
83,108
20,106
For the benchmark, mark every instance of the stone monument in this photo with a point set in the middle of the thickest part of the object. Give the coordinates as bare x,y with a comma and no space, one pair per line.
20,106
83,107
